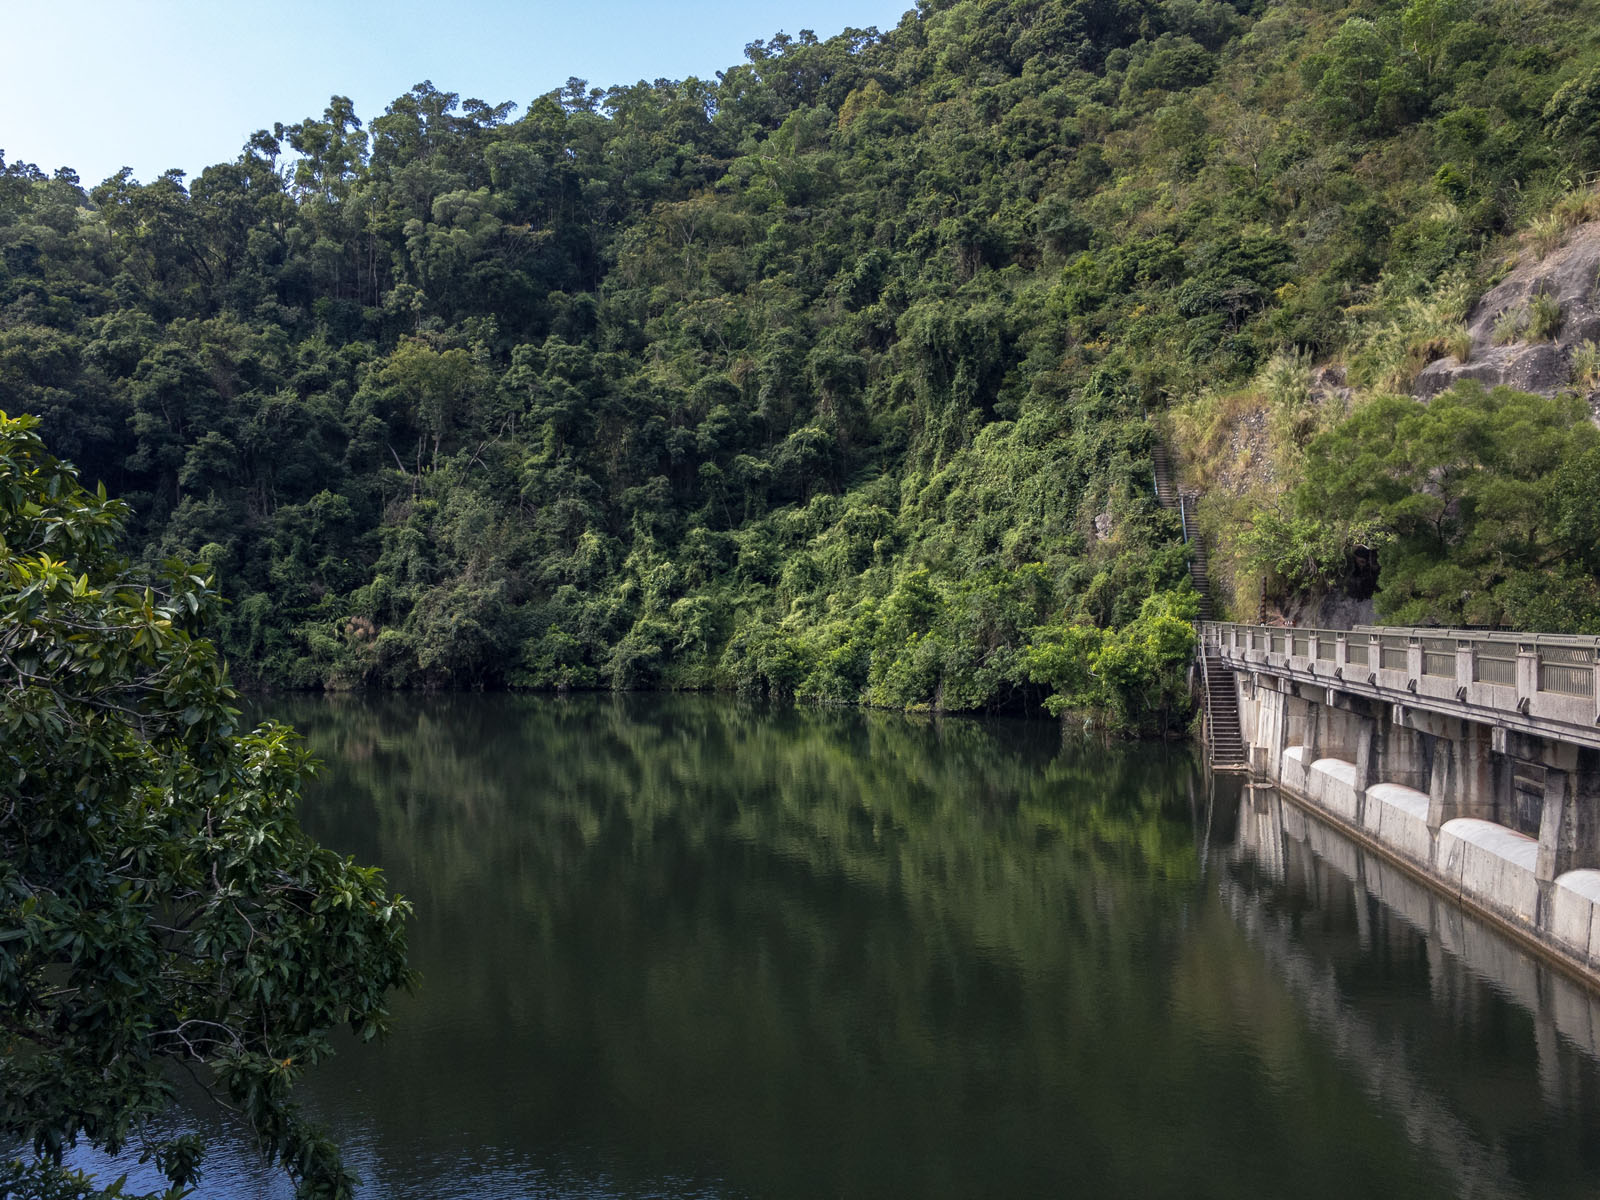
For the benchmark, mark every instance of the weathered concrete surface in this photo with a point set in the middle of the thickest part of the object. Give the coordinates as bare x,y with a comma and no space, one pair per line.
1397,816
1294,769
1496,866
1576,912
1567,273
1331,782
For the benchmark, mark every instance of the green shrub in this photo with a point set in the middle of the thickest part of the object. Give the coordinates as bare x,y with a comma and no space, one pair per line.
1510,326
1586,366
1133,679
1546,233
1479,504
1544,318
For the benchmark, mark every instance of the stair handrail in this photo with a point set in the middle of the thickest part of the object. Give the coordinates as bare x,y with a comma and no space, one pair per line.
1183,516
1205,687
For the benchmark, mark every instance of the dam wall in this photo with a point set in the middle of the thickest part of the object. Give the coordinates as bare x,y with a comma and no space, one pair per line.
1472,761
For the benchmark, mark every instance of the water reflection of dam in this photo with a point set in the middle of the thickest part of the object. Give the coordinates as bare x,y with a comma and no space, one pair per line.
1326,915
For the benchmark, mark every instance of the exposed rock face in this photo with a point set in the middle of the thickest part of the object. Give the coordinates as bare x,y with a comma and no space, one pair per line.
1332,611
1568,274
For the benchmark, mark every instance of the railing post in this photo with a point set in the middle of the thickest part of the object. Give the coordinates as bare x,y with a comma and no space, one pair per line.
1464,652
1341,653
1527,674
1413,660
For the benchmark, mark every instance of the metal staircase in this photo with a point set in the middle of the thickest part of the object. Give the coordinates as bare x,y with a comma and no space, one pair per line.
1199,567
1224,738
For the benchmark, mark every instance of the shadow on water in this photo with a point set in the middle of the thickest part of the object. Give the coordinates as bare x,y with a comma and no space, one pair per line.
682,946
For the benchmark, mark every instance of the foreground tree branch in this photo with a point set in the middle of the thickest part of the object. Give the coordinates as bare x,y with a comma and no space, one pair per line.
160,906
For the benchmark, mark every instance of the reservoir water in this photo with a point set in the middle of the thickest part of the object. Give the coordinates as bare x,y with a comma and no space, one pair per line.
679,946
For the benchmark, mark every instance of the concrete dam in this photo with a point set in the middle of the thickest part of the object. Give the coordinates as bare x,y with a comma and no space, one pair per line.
1471,759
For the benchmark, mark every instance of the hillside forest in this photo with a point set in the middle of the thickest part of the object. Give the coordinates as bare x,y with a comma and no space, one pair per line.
838,376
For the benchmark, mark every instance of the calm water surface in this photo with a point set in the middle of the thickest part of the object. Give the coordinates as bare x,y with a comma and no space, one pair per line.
675,946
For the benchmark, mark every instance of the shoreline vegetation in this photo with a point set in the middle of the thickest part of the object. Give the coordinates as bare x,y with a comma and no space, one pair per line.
837,377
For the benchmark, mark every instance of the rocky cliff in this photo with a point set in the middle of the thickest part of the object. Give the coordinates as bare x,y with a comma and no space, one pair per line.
1525,329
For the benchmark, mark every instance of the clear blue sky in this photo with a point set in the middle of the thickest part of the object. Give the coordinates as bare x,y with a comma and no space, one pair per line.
97,85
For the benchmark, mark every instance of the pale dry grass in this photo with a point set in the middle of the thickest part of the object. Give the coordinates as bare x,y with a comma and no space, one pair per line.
1544,318
1547,231
1401,335
1510,326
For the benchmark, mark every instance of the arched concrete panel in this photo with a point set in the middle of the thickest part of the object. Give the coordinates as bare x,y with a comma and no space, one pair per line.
1332,783
1397,816
1575,917
1496,866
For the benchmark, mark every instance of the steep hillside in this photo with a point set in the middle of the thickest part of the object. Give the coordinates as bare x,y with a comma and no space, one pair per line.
836,376
1335,505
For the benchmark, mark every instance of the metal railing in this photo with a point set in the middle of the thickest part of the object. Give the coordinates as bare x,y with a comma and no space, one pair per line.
1393,654
1533,675
1495,663
1439,657
1567,669
1569,681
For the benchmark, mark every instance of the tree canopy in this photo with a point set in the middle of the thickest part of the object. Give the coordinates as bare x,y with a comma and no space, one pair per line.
1481,505
161,910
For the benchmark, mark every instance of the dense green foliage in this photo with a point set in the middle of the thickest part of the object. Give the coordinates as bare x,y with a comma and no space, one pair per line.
1480,504
160,909
825,378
